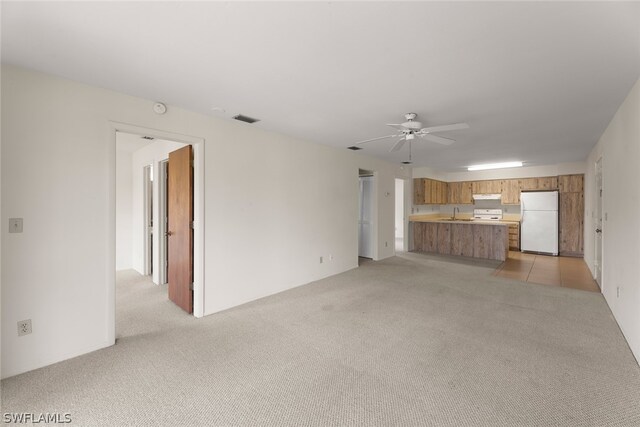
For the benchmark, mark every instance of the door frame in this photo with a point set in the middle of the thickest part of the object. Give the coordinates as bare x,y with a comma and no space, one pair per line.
599,223
198,215
162,221
147,219
374,214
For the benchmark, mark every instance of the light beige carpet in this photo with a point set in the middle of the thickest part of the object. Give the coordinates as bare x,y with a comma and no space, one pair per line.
411,340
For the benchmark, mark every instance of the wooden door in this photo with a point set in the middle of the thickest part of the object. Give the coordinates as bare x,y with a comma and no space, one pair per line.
180,231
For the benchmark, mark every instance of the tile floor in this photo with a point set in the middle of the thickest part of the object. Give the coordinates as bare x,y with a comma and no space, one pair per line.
567,272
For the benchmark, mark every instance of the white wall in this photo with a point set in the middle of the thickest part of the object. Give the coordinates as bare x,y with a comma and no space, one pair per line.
523,172
123,209
151,154
619,148
273,201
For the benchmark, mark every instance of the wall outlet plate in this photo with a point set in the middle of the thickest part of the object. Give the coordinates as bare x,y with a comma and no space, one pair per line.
24,327
15,225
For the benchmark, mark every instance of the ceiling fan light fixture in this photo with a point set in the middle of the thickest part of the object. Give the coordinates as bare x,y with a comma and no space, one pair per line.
495,166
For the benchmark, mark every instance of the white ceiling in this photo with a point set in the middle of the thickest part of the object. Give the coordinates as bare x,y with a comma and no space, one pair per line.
537,82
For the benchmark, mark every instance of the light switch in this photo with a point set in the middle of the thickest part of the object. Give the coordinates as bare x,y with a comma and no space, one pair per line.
15,225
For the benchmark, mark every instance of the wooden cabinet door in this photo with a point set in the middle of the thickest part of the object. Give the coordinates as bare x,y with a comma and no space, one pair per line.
444,238
444,190
430,237
487,187
479,187
514,236
548,183
528,184
571,223
510,192
466,193
571,183
455,189
418,191
460,193
431,191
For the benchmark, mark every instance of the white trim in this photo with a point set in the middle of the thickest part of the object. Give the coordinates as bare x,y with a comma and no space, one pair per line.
198,214
147,213
162,221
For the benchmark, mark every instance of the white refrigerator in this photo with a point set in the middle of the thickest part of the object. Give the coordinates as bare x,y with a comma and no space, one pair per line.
539,224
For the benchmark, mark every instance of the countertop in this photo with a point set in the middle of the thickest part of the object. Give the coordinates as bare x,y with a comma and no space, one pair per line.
447,219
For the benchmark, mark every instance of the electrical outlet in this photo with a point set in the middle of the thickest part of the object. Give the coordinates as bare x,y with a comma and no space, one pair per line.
618,292
330,257
24,327
321,260
15,225
386,244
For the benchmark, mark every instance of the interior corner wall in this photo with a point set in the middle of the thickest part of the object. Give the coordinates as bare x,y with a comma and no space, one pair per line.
274,201
619,148
151,154
123,210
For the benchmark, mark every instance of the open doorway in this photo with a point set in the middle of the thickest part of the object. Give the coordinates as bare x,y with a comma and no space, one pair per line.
399,216
141,232
366,214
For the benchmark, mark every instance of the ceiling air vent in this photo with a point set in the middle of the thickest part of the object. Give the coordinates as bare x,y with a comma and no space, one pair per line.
149,138
354,148
245,119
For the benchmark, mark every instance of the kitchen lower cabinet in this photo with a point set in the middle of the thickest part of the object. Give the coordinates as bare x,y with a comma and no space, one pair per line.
514,236
487,241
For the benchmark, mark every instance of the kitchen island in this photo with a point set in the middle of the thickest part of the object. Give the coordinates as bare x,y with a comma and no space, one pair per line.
461,237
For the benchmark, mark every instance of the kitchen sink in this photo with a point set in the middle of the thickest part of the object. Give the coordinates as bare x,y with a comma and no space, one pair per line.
459,219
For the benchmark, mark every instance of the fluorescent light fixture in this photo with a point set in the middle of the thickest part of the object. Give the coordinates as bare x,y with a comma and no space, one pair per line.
495,166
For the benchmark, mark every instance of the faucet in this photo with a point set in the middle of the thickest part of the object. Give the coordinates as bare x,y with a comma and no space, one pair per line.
454,212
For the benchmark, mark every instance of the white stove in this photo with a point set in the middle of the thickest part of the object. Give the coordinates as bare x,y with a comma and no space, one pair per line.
487,214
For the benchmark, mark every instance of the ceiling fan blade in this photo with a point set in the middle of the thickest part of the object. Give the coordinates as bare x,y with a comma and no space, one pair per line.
397,146
437,139
445,128
374,139
397,126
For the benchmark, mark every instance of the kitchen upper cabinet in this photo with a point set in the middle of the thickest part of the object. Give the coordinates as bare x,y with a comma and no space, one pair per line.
418,191
487,187
460,193
429,192
548,183
510,192
541,183
571,183
528,184
436,194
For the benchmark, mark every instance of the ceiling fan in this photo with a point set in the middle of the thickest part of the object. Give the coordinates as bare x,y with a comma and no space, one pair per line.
408,130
